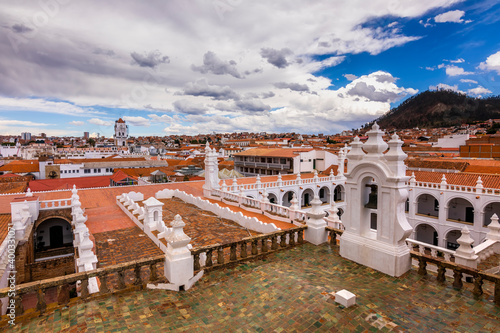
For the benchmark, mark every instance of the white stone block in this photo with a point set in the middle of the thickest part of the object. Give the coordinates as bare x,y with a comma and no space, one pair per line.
345,298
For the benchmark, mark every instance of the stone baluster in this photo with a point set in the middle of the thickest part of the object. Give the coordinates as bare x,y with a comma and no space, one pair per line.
137,275
208,261
422,266
274,242
441,273
41,305
63,294
263,247
197,262
283,240
18,301
255,251
496,297
104,289
291,238
300,237
478,286
243,252
153,275
457,279
232,254
84,291
121,279
220,255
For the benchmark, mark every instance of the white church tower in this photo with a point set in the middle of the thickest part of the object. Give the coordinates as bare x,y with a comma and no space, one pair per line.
121,133
375,222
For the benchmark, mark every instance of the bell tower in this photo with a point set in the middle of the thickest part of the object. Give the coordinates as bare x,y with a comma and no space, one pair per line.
121,133
375,222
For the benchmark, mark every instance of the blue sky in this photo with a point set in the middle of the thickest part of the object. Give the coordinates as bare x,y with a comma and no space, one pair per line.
177,67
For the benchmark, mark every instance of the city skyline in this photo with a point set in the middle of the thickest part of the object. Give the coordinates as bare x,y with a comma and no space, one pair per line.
228,66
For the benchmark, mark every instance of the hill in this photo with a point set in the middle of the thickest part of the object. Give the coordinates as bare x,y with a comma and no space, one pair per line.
441,108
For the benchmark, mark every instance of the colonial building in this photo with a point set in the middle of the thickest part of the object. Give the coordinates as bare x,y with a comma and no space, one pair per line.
121,133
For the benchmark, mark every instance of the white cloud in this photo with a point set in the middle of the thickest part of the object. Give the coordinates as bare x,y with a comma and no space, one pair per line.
444,86
77,123
161,119
452,70
492,63
41,105
137,121
100,122
468,81
451,16
350,77
458,61
87,65
479,91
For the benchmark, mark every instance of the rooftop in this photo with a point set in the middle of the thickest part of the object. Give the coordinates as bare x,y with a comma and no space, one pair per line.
284,292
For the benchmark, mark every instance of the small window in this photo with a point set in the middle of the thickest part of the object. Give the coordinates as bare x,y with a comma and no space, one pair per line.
373,221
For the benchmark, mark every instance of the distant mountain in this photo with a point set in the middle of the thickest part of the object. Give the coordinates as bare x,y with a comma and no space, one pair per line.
441,108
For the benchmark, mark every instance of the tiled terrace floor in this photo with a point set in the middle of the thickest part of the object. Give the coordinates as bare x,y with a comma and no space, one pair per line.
286,292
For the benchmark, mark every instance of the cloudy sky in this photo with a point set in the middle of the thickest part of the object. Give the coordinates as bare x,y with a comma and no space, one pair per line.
188,67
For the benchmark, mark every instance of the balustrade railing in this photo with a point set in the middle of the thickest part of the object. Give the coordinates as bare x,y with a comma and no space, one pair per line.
121,274
248,248
432,250
458,273
55,204
333,233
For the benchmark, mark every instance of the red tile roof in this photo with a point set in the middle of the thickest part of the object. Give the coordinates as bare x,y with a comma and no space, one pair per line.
67,183
464,179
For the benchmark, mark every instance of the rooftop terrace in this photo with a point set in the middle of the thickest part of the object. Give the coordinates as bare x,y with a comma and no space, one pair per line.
286,291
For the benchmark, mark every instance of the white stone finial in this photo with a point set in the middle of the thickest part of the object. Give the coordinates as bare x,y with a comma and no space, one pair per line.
375,145
279,177
443,180
479,182
258,178
177,222
316,206
315,173
74,190
465,255
494,227
28,193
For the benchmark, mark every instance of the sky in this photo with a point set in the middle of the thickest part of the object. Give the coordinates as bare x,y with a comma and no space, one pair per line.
187,67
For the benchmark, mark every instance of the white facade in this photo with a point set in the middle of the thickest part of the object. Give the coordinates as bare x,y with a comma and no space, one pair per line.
452,141
121,133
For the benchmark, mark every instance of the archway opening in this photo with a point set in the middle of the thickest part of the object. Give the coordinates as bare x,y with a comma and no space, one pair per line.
53,238
324,195
272,198
307,197
427,234
287,198
427,205
451,239
460,210
489,210
338,193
